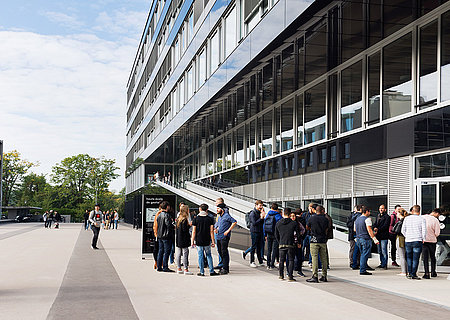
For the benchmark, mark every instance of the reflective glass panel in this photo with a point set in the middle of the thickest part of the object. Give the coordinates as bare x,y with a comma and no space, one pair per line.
396,15
352,29
374,89
315,113
190,83
428,65
316,52
201,68
230,32
287,125
445,57
239,141
266,135
251,141
215,51
300,120
351,97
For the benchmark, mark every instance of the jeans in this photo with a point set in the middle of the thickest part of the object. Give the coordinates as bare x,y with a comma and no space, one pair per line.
350,252
393,240
316,250
182,252
413,251
96,231
172,253
222,248
356,256
290,266
429,252
201,261
165,245
382,250
256,247
218,252
272,250
364,246
263,245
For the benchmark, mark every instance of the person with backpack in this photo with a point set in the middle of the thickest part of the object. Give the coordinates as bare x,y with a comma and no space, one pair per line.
272,217
257,216
393,236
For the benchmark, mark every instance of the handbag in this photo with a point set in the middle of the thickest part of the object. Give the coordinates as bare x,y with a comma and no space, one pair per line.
397,229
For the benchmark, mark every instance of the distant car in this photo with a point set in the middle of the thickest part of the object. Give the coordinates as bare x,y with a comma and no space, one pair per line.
27,218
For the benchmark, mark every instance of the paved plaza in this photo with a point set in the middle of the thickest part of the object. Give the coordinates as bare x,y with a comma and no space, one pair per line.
54,274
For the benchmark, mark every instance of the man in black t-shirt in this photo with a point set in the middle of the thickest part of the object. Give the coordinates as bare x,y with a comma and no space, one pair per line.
318,226
203,239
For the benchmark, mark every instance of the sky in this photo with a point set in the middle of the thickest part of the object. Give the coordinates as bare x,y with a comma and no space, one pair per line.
64,67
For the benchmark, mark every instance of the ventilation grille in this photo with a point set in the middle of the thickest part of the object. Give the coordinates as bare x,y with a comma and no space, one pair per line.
371,177
260,190
313,184
292,186
248,190
339,181
400,183
274,188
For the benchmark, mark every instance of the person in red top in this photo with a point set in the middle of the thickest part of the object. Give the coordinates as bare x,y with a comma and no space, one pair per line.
393,236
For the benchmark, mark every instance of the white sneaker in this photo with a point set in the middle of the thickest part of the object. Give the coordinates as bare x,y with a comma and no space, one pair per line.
180,271
277,264
253,265
261,264
402,274
188,273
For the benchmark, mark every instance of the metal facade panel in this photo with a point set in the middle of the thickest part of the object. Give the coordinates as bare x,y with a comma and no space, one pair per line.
248,190
371,177
275,189
260,191
339,181
292,186
313,184
400,182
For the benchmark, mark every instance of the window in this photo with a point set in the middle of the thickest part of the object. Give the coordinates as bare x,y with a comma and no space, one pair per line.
373,89
182,40
219,161
397,84
190,27
301,63
316,51
375,24
182,98
228,150
267,85
352,29
428,65
266,147
230,32
215,51
239,141
323,156
351,97
201,67
287,125
300,120
287,82
315,113
240,106
190,83
396,15
445,56
251,134
333,150
176,49
176,101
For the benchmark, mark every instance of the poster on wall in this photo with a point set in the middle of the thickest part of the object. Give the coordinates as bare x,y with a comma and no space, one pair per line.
150,207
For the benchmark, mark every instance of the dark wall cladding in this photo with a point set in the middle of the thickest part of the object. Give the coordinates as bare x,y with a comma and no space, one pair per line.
432,130
368,145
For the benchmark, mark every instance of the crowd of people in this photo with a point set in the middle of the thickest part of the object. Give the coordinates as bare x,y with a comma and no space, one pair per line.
110,219
51,216
294,237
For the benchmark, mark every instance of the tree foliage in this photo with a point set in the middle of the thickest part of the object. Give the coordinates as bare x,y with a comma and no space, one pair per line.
14,169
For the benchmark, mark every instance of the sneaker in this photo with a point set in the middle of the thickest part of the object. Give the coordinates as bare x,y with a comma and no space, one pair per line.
261,264
253,265
370,268
159,270
187,273
223,272
402,274
408,276
416,278
168,270
200,274
269,268
380,267
243,254
433,274
213,274
292,280
217,267
277,265
313,280
301,274
426,276
281,278
323,279
179,271
365,273
395,264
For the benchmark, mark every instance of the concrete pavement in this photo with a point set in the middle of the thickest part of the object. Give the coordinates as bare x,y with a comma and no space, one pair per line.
44,277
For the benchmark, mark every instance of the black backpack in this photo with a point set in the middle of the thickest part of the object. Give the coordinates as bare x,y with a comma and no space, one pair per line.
269,223
247,219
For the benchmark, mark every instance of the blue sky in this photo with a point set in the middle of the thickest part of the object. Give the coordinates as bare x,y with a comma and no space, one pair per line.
64,67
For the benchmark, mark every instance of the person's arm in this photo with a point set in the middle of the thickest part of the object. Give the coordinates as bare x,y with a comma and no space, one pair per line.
371,234
277,233
424,229
437,228
230,228
91,218
194,231
212,236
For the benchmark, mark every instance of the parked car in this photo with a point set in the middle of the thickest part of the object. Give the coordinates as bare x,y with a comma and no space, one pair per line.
29,217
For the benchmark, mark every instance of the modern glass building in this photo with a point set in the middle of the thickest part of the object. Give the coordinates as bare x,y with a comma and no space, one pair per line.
293,101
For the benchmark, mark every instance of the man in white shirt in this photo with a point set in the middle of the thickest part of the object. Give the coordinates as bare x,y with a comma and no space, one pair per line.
415,230
429,245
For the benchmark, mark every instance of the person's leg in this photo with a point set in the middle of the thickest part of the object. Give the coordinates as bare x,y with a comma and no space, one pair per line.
219,250
263,246
432,248
350,252
186,258
402,256
201,259
159,261
258,248
95,231
356,255
178,252
253,247
172,252
283,253
167,251
275,252
426,256
209,258
393,240
117,224
225,254
409,257
156,252
324,257
290,267
363,248
269,250
382,250
306,246
314,251
417,250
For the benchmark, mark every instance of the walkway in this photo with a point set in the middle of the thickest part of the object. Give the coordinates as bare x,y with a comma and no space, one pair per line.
54,274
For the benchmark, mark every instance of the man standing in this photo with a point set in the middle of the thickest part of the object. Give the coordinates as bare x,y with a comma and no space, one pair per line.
429,246
116,219
318,226
393,236
381,229
364,237
166,235
285,231
203,239
86,219
225,223
351,237
95,218
50,219
256,231
45,217
272,217
415,230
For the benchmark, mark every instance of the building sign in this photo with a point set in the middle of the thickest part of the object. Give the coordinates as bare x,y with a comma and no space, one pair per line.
150,207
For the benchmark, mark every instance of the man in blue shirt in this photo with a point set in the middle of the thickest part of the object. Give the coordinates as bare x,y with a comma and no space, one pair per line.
225,223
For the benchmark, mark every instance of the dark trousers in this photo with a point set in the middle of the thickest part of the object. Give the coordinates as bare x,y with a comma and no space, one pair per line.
290,266
272,250
96,231
165,246
256,246
429,252
298,258
222,248
156,251
49,223
393,240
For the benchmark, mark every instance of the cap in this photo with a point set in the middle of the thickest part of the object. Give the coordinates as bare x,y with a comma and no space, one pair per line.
221,206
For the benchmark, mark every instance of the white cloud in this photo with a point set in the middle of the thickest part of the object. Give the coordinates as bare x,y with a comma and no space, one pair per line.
69,21
64,95
121,23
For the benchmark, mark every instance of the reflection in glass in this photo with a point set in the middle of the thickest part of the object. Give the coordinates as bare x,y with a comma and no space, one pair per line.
266,147
396,15
181,92
316,51
352,29
397,84
351,97
267,85
287,81
190,83
215,52
301,63
445,56
300,120
277,126
287,125
338,210
239,141
251,141
375,25
230,32
201,68
228,151
210,167
219,150
428,65
374,89
315,113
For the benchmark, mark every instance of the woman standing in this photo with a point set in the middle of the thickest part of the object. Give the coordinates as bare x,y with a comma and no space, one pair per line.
401,215
183,240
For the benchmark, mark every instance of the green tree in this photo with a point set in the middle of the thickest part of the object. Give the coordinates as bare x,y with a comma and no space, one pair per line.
14,169
33,190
